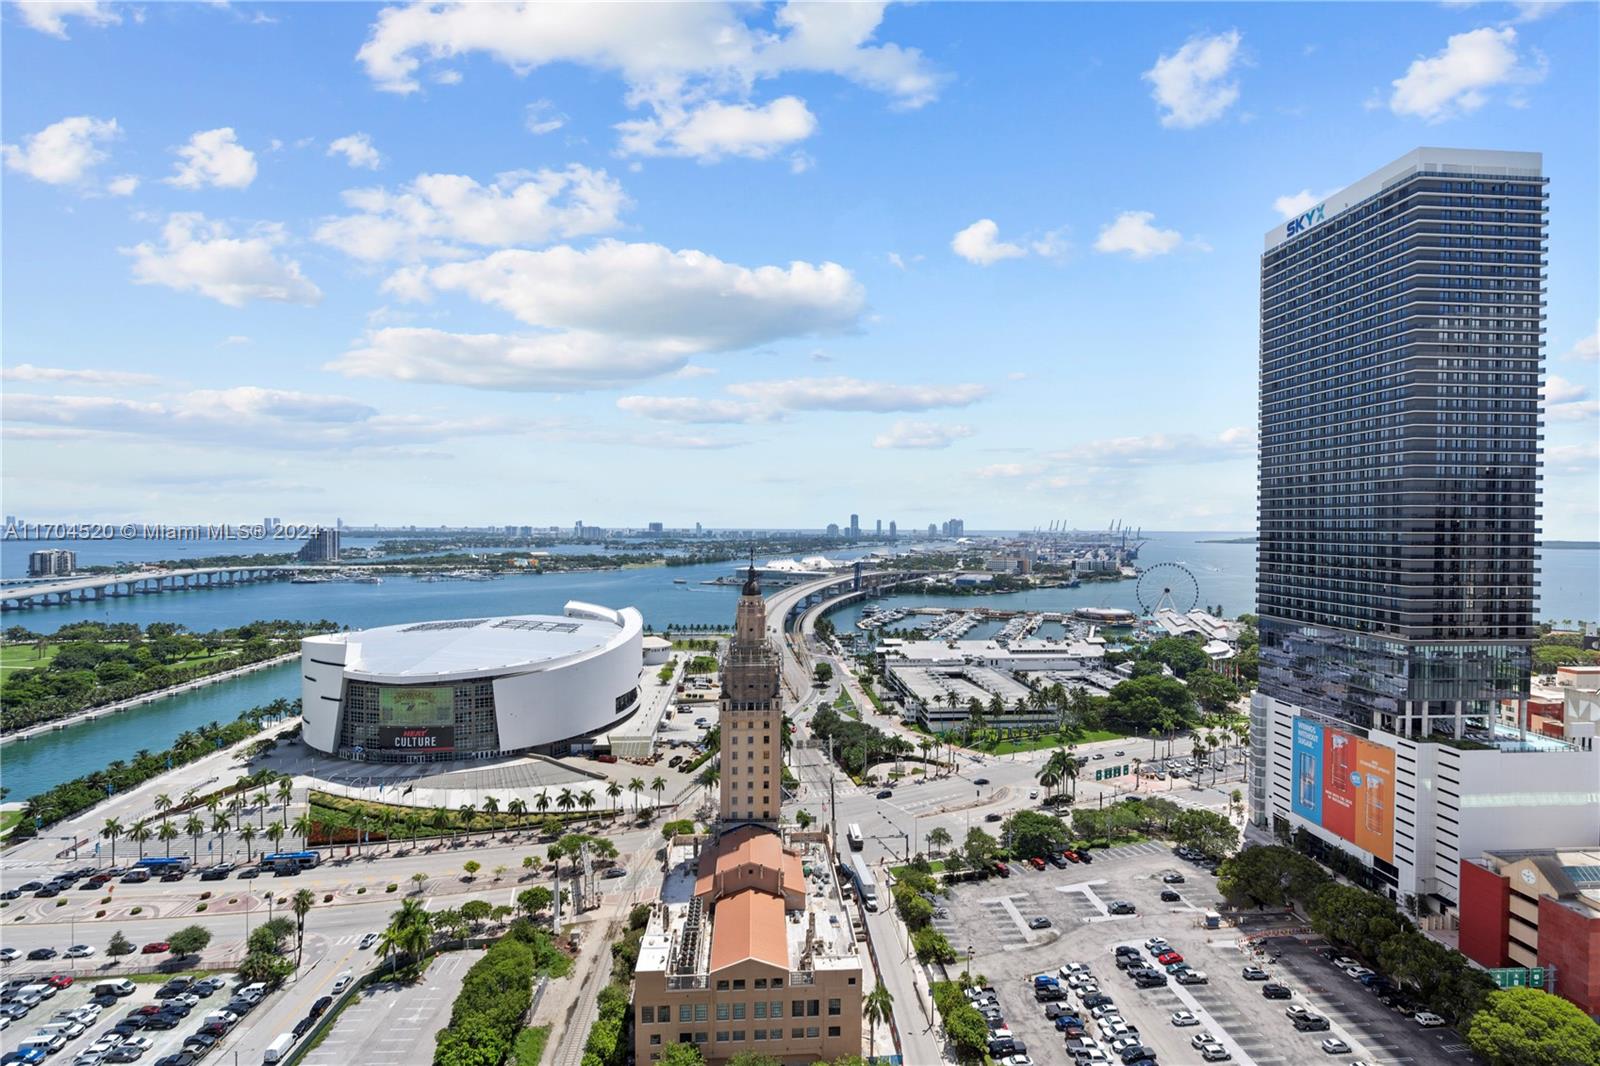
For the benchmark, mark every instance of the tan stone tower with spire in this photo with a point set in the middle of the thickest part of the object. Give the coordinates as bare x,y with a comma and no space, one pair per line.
751,718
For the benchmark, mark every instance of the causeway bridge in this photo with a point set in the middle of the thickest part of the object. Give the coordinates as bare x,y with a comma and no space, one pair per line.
53,593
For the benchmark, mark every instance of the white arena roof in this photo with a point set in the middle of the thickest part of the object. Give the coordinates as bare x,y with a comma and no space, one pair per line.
466,647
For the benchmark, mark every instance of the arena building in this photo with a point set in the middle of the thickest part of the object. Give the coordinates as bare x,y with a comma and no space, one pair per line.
472,688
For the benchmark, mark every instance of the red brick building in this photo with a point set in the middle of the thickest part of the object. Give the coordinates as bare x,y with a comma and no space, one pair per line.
1537,908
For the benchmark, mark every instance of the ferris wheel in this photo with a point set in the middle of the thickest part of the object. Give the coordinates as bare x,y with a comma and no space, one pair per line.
1169,585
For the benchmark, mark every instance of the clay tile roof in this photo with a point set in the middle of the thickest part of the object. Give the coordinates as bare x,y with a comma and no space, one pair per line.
749,925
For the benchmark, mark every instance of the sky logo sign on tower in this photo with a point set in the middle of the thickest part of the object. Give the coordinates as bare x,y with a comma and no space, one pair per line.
1307,220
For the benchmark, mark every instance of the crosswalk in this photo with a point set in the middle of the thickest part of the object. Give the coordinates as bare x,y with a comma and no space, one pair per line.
1148,847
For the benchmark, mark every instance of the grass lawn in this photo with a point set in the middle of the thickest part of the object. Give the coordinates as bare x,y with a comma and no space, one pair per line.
1051,740
24,657
933,867
8,819
845,705
529,1046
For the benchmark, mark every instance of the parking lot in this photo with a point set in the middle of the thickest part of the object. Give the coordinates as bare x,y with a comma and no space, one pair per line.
394,1025
992,919
157,1043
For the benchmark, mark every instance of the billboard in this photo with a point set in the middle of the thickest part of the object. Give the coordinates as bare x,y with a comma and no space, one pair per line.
417,718
1345,785
417,705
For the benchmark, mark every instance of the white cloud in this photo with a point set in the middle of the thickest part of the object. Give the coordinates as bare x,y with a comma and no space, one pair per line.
687,300
853,394
905,434
541,117
201,256
714,130
1567,401
123,185
214,157
1004,471
980,243
1534,10
1587,350
1133,233
243,417
560,362
93,378
50,16
694,66
435,214
1297,203
1191,85
1573,459
694,409
357,150
1162,449
63,152
1456,80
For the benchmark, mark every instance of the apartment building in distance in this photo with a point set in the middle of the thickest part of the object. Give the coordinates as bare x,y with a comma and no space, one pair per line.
747,949
1402,325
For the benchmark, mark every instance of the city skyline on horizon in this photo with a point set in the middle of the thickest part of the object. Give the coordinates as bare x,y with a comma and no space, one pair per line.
540,267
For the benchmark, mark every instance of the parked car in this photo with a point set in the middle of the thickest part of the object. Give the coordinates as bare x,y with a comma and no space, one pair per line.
1334,1046
39,954
1173,878
156,947
1121,906
1427,1019
1255,973
80,951
1273,990
1169,896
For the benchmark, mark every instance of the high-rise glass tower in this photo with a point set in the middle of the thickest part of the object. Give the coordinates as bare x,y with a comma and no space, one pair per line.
1402,325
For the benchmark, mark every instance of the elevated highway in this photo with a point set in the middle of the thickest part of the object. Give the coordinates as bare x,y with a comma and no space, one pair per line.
141,582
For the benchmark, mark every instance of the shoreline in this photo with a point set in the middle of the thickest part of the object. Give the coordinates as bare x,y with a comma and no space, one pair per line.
91,713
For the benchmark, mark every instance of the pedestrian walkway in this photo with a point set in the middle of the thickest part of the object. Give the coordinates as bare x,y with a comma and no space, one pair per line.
1148,847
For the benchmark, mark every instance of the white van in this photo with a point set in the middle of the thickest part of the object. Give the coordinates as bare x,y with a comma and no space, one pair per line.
48,1044
122,987
278,1048
68,1029
220,1017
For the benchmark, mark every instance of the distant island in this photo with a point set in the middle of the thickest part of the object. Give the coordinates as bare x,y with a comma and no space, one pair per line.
1553,545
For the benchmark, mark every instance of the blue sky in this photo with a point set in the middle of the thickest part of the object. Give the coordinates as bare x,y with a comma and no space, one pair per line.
733,265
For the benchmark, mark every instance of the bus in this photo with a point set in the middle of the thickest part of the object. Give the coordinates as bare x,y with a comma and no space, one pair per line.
866,885
303,860
857,841
158,865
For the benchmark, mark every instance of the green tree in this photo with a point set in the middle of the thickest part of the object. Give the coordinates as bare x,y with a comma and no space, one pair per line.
190,940
938,839
877,1007
823,673
301,905
1029,833
681,1055
471,866
1531,1027
534,901
119,945
1269,877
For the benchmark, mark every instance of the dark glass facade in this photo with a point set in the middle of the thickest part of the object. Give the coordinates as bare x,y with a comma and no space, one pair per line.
1401,345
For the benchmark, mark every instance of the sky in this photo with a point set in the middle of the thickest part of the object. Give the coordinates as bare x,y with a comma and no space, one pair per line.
729,264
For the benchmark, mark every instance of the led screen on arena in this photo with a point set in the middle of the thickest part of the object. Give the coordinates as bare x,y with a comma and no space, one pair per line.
1345,785
417,719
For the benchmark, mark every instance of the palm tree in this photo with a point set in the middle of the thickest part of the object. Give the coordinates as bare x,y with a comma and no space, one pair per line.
111,831
586,800
566,800
166,834
466,812
285,794
139,834
236,808
275,834
518,809
247,833
614,790
301,905
440,820
302,829
938,839
1069,772
636,786
220,826
877,1006
163,804
195,827
261,805
658,786
358,822
213,803
541,802
491,807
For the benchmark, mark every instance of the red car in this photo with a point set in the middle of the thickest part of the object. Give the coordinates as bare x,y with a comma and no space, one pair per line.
146,1010
1002,869
60,980
1167,958
156,948
1036,862
1070,855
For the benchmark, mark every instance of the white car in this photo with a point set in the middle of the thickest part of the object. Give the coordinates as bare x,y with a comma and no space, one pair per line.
1356,973
187,998
89,1058
1334,1046
1427,1019
1103,1011
1182,1018
1201,1039
1345,961
1016,1060
7,954
79,951
368,940
106,1042
143,1043
1214,1052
